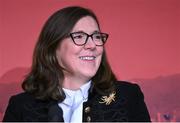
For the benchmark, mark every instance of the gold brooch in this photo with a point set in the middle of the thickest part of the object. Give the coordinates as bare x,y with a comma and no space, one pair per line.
108,99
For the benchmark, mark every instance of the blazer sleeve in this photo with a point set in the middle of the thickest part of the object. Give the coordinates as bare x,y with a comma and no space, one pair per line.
13,110
140,109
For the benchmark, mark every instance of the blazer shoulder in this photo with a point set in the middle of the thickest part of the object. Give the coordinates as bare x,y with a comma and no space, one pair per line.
129,88
23,97
25,107
16,105
126,84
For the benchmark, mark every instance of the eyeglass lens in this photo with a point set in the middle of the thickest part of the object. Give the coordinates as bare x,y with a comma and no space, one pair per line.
81,38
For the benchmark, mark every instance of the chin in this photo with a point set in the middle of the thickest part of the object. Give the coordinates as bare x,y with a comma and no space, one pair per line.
90,74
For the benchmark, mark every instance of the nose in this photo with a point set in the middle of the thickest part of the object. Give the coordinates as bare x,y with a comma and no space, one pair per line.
90,44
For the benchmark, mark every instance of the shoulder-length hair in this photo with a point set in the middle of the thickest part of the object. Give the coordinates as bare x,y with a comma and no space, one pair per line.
46,76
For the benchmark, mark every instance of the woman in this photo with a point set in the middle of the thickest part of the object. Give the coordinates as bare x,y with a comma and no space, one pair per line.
71,79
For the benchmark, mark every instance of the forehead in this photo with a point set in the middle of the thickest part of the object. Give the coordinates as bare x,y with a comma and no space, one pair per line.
86,24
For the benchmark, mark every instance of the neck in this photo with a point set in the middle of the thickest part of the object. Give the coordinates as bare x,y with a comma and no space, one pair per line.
73,83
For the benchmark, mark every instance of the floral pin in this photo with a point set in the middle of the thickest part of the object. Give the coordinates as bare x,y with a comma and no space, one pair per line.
108,99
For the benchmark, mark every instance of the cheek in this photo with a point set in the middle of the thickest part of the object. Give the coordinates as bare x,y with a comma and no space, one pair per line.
99,55
62,53
67,53
100,51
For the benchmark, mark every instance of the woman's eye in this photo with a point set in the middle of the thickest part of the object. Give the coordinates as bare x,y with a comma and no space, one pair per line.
78,36
98,37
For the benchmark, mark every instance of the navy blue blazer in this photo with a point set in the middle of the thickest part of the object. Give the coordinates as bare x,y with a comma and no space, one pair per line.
128,105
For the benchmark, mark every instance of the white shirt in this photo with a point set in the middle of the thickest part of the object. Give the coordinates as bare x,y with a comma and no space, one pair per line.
72,106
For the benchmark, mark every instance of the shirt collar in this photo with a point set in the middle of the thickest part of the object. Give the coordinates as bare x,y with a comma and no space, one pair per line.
71,93
85,89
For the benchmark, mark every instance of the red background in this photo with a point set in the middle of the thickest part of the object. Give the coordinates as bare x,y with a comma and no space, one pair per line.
143,46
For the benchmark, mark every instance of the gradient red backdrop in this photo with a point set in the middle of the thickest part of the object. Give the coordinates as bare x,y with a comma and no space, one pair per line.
144,41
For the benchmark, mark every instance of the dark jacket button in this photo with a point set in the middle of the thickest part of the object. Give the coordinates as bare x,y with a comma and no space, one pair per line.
87,109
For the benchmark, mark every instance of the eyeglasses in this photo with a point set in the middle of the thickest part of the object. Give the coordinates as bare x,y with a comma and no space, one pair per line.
81,38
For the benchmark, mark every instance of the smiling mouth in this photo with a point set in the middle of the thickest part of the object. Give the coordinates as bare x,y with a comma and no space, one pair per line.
89,58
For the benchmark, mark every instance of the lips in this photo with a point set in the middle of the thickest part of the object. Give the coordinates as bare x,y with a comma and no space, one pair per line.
87,58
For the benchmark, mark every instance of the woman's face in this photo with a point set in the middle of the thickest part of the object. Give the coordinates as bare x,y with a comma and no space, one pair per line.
81,62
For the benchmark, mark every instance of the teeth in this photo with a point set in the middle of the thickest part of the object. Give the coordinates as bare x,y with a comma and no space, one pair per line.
87,57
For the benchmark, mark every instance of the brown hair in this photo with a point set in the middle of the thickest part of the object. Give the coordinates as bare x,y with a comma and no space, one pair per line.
46,76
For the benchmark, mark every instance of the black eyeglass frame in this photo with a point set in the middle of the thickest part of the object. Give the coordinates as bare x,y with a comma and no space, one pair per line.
104,41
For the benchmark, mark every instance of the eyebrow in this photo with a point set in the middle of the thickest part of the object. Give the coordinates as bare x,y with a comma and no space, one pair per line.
96,32
80,31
